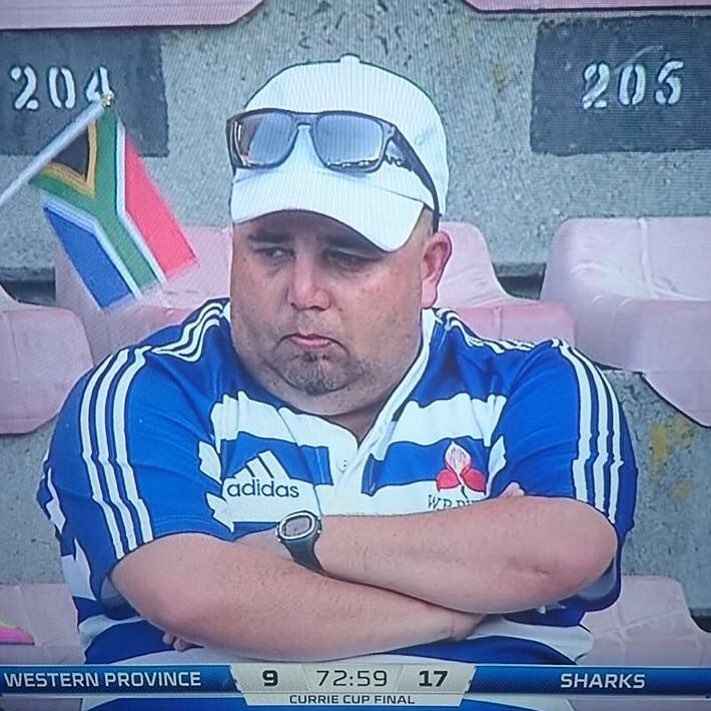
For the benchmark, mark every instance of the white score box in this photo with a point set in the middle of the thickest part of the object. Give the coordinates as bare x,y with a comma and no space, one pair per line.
353,683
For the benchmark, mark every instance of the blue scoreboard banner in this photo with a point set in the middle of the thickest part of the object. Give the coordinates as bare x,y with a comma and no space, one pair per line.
365,684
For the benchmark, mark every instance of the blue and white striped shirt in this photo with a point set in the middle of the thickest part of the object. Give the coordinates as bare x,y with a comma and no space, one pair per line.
173,435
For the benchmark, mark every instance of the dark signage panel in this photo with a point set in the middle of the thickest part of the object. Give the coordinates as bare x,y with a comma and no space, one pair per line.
48,78
628,84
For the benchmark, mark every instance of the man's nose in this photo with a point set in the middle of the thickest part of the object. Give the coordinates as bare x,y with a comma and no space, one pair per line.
306,288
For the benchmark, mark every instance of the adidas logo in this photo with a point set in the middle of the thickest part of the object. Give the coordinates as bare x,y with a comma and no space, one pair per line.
255,487
260,491
262,476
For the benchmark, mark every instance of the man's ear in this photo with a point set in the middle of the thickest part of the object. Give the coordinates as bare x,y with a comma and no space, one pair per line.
436,253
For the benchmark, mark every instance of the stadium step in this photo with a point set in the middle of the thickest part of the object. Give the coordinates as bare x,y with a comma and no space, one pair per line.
640,294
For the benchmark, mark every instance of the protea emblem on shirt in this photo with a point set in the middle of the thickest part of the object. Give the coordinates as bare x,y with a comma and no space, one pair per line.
459,472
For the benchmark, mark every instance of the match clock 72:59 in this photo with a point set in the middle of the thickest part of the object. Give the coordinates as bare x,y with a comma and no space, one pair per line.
335,678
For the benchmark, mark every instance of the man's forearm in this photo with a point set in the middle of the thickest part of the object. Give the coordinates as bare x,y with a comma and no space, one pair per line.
495,556
262,606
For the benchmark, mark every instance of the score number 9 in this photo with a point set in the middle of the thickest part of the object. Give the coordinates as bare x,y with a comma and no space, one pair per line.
270,677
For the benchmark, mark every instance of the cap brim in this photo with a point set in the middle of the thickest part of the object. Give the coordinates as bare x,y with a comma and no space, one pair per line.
384,218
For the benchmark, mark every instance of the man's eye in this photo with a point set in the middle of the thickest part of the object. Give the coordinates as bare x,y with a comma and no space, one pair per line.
345,259
274,252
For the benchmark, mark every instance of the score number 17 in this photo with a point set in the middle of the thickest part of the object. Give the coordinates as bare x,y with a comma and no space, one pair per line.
432,677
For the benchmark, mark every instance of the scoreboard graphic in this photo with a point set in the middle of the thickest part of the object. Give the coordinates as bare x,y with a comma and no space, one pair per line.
445,684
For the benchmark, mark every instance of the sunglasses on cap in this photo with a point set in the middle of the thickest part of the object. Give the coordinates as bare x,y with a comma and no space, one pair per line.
344,141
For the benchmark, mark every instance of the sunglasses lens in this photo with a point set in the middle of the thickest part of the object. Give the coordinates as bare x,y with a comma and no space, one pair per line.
262,140
346,142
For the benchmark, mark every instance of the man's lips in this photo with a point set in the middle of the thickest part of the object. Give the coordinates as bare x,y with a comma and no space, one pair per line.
310,341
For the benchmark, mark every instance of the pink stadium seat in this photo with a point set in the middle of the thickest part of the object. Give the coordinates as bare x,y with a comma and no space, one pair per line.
640,293
649,625
46,611
567,5
109,330
38,14
470,286
43,352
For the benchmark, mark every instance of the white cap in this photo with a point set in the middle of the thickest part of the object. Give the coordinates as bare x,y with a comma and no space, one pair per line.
383,205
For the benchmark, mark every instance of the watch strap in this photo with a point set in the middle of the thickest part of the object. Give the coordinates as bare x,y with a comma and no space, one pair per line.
303,553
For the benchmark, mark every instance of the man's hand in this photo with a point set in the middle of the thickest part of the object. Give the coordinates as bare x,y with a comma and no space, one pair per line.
178,644
464,624
513,489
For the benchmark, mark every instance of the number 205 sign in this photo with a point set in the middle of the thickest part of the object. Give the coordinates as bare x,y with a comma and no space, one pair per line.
632,84
628,86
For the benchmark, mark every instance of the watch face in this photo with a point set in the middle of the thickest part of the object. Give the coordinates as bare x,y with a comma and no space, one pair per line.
297,526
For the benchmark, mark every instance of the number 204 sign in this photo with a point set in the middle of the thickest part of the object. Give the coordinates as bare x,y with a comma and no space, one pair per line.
47,78
630,84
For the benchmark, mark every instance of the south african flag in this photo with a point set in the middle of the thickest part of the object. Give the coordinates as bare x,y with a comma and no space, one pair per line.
113,224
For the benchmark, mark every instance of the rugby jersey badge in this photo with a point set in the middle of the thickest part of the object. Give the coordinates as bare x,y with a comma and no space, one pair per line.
459,472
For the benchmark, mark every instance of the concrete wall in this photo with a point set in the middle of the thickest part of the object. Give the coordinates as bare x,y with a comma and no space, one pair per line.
477,68
672,534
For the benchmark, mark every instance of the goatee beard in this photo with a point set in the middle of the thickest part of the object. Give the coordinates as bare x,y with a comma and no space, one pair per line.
316,375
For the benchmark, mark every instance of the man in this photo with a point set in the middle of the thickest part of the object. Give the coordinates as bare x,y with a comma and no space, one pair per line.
287,475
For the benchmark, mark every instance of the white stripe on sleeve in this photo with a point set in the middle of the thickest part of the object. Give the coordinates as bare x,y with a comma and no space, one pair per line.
85,423
105,458
609,422
119,429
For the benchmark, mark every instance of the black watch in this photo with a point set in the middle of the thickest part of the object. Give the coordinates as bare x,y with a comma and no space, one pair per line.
299,532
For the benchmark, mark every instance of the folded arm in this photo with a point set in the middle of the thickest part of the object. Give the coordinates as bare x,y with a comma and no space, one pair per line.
260,605
500,555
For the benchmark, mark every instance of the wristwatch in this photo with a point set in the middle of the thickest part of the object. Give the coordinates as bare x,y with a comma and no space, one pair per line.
299,531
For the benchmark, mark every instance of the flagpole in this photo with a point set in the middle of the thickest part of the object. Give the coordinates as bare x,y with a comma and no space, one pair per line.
90,114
